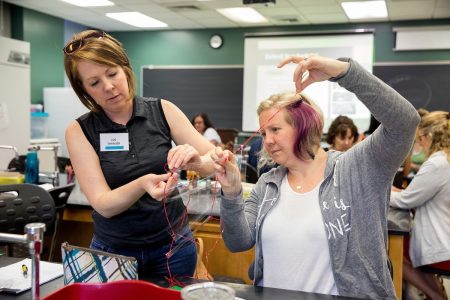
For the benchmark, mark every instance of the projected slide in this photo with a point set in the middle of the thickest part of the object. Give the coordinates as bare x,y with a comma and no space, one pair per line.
262,78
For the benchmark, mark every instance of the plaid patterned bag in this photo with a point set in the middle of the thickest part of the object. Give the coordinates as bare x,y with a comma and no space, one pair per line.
89,265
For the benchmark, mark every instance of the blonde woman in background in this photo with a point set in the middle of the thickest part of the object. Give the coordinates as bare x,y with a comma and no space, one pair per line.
429,194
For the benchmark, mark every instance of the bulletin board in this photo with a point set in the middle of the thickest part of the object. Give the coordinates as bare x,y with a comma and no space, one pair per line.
215,90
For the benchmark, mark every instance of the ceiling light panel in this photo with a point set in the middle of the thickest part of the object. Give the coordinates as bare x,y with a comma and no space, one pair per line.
89,3
365,9
137,19
243,15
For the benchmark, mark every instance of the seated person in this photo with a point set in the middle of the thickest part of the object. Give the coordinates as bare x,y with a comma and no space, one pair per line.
342,134
254,156
315,225
429,193
418,153
203,125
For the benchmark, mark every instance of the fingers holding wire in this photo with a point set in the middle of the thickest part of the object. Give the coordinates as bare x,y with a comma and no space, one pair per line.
227,171
158,186
220,158
182,157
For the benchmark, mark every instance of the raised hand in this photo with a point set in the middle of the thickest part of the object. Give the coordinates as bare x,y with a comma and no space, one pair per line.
314,69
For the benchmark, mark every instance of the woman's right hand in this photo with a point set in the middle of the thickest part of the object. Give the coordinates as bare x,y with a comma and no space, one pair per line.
227,172
159,186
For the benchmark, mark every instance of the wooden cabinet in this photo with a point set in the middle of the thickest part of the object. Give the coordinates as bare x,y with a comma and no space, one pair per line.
77,229
217,258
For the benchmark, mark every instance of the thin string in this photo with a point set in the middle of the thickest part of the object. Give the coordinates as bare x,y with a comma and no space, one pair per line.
172,281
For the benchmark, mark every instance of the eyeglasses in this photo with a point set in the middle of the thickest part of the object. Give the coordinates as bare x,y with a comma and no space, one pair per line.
78,43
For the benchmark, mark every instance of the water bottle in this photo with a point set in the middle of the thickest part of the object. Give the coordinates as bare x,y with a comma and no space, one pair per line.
32,168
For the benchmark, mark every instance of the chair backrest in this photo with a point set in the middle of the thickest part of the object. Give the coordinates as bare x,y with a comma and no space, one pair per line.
17,165
444,270
227,134
21,204
251,174
62,163
61,194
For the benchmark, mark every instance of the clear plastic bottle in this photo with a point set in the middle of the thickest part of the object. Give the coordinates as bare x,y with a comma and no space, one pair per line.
32,167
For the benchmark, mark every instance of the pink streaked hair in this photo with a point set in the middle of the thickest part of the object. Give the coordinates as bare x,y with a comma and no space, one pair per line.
304,115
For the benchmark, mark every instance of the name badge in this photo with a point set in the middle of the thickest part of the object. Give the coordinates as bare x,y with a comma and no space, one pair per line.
114,142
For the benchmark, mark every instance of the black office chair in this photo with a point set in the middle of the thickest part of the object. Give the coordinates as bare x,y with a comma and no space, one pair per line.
227,134
436,271
21,204
251,174
60,196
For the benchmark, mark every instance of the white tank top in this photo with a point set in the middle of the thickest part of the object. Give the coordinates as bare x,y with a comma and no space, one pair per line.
294,244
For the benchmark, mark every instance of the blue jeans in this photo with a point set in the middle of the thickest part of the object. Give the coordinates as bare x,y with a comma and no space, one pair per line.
153,262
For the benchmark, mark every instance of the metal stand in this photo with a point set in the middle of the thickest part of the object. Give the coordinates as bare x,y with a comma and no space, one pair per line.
34,235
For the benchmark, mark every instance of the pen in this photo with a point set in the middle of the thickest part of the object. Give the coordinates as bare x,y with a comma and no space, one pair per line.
24,270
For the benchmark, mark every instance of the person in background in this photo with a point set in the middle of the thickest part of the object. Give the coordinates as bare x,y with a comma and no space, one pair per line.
428,193
319,221
203,125
342,134
418,153
254,156
121,152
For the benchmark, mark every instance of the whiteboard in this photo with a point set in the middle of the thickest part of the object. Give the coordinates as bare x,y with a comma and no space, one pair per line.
262,78
63,107
14,99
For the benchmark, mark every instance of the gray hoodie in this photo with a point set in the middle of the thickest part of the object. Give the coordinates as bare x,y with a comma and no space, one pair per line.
354,196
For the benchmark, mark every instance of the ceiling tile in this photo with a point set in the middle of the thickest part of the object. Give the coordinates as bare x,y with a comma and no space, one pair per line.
327,18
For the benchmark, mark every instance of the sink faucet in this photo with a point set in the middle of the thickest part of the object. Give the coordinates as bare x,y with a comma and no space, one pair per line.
34,235
54,177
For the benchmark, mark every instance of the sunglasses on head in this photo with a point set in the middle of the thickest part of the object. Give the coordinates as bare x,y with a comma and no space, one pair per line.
78,43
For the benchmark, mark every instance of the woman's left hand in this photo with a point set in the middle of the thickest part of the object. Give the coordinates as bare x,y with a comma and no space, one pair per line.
183,157
318,68
227,172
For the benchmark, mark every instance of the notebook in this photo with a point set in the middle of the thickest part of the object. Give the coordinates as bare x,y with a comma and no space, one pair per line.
13,279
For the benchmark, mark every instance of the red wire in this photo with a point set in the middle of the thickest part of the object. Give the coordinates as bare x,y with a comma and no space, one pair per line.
172,281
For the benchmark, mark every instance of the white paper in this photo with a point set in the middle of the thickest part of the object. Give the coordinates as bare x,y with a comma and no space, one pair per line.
12,279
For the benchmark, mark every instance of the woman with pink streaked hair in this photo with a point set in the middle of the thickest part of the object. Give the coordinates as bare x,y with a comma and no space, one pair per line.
318,221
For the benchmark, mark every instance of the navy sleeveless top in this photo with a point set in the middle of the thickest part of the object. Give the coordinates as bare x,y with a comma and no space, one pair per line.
144,224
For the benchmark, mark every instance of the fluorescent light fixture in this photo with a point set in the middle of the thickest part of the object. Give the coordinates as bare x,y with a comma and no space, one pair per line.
137,19
242,15
365,9
86,3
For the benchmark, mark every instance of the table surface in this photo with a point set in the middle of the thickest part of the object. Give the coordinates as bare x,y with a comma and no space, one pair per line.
399,220
247,292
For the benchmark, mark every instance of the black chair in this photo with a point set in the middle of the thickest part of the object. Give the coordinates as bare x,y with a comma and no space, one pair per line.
440,272
21,204
17,165
227,134
251,174
60,196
